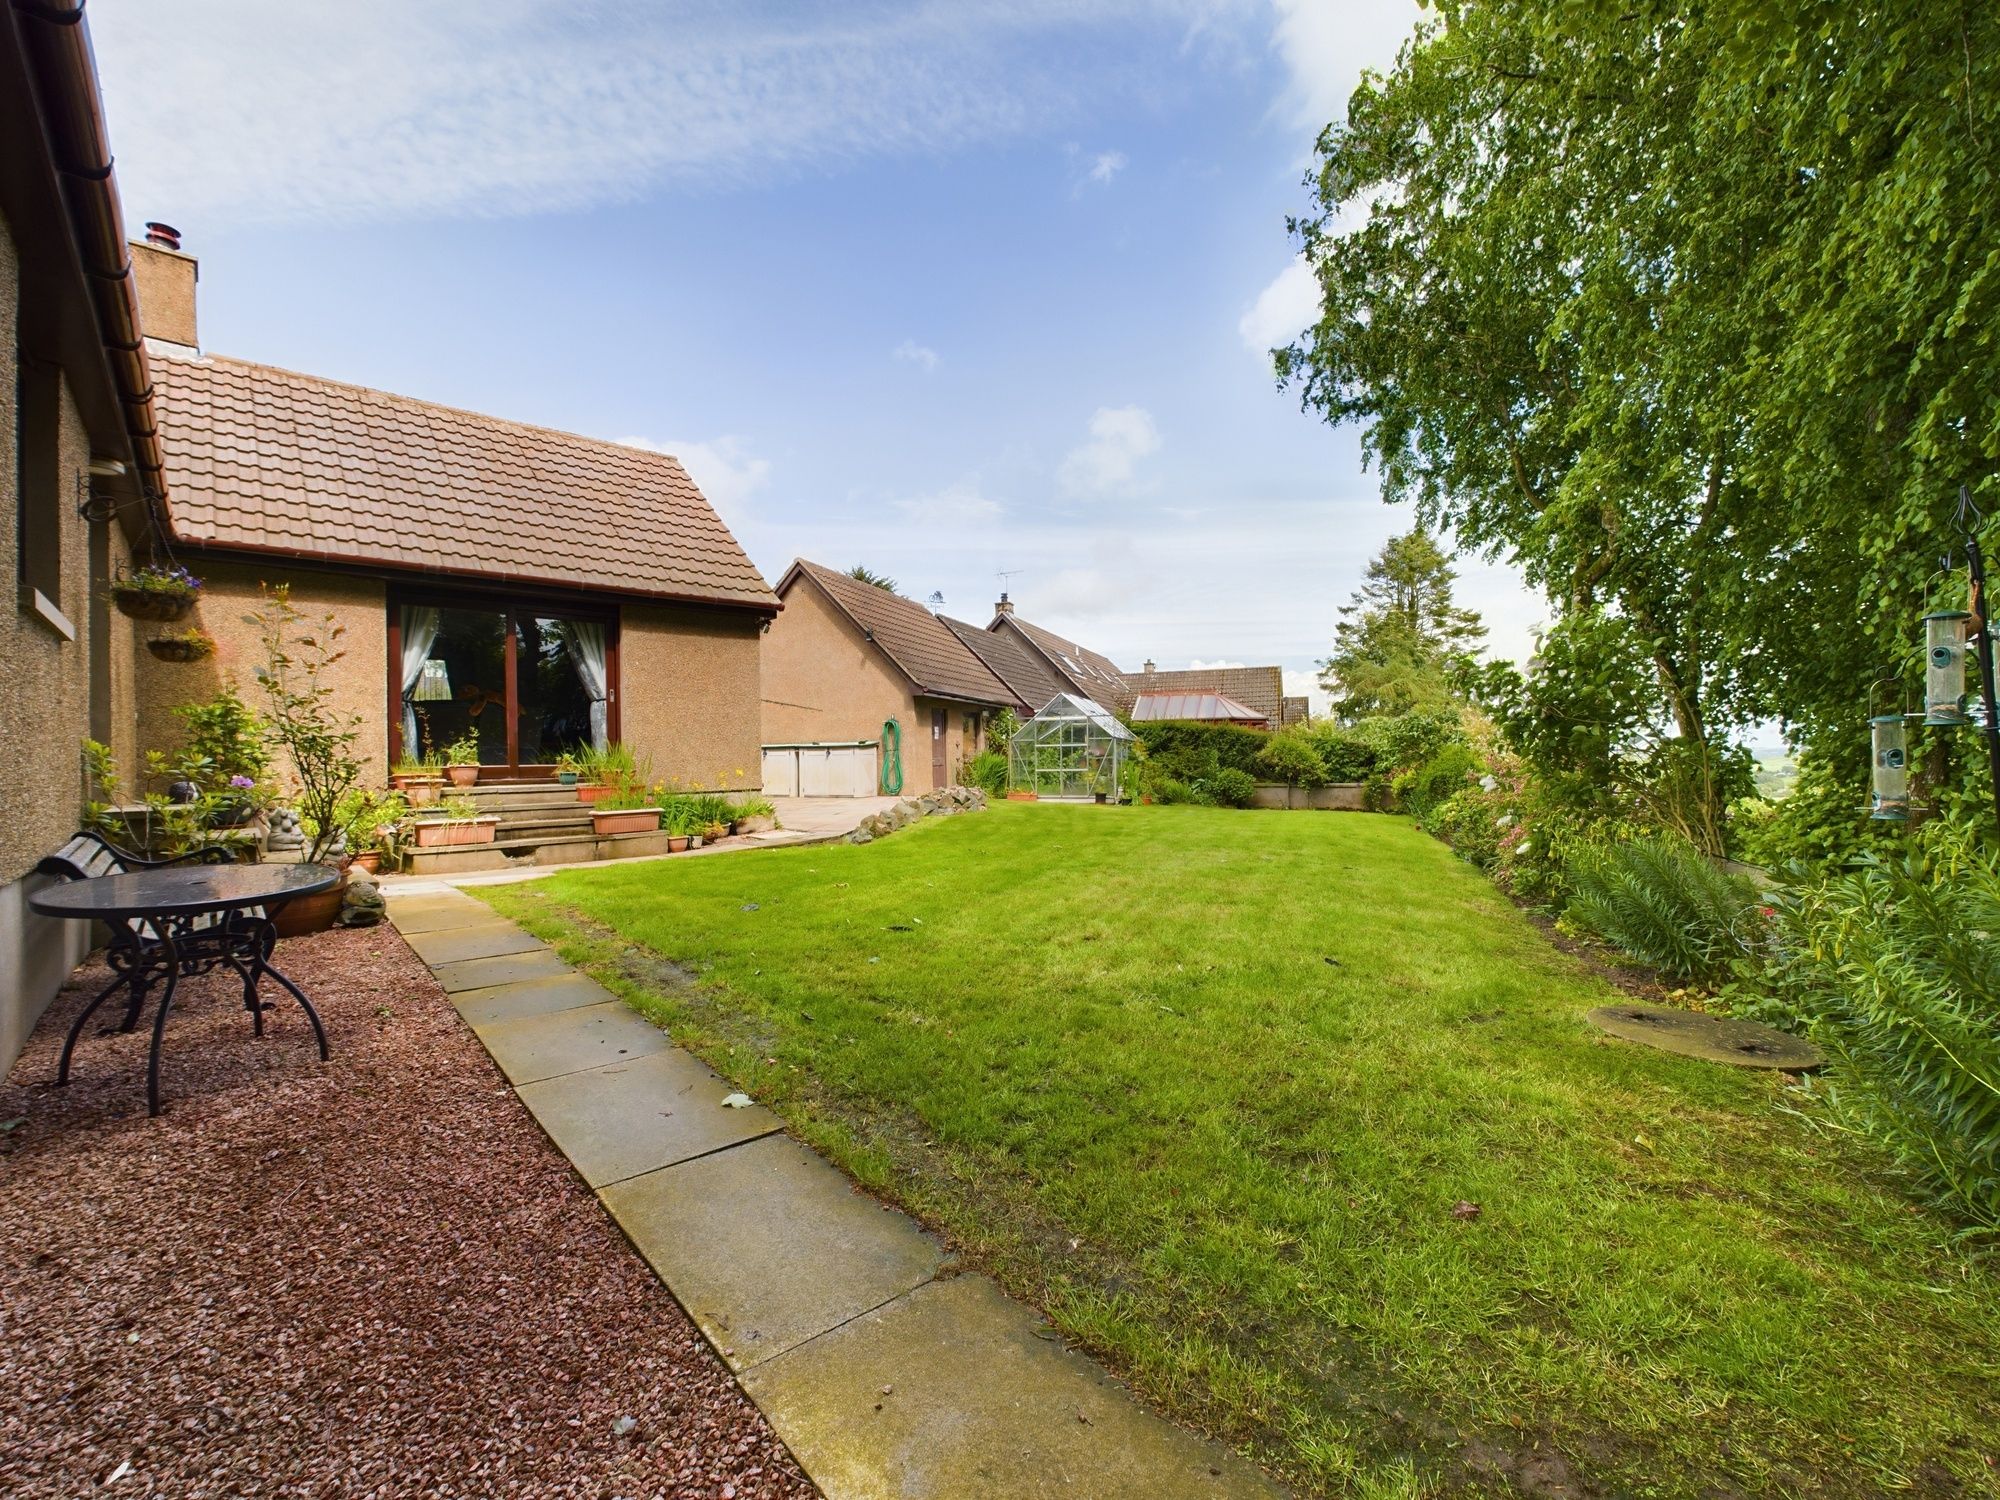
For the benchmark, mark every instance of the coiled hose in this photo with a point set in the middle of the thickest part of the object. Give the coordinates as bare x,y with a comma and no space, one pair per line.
892,758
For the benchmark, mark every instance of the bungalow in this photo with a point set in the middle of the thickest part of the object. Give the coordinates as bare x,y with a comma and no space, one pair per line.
865,690
531,591
1218,695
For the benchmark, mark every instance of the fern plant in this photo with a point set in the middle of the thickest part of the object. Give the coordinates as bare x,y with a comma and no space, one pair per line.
1663,901
1896,967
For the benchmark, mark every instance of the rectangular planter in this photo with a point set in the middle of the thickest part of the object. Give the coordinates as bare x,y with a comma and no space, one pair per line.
1024,797
625,820
434,833
590,791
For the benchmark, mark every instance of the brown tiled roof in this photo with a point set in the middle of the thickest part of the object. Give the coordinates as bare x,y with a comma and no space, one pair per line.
1259,688
1207,707
922,648
272,461
1093,676
1008,658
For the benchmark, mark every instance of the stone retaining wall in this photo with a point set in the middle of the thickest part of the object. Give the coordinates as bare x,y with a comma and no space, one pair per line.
1342,796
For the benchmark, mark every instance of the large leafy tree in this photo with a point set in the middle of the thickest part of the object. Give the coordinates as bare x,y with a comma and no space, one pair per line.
1402,641
1690,309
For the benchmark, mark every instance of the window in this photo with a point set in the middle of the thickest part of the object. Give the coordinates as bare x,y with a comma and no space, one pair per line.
38,484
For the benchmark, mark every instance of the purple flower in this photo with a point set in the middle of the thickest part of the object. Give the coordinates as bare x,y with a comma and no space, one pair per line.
244,782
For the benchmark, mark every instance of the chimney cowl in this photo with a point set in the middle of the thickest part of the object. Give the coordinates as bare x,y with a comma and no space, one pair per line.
164,235
1149,666
1005,606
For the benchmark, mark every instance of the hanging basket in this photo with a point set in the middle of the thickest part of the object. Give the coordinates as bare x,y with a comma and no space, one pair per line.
192,646
152,604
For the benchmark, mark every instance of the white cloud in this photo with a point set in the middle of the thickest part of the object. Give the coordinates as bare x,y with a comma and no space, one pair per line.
248,111
1325,45
1283,310
1303,682
1120,438
1099,171
723,470
956,505
920,355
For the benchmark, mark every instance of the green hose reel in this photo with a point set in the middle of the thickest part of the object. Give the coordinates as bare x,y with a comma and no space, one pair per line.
892,758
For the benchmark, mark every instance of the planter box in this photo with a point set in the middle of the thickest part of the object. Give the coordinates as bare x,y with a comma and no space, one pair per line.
433,833
1024,797
625,820
590,791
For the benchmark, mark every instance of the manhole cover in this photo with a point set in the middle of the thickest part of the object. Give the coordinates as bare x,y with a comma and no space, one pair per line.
1743,1044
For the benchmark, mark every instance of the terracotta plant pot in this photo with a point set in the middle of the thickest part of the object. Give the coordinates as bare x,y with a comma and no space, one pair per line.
369,861
1024,797
433,833
314,913
461,775
677,843
590,791
421,791
625,820
149,604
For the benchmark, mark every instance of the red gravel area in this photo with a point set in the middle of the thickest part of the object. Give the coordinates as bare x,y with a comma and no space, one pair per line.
372,1276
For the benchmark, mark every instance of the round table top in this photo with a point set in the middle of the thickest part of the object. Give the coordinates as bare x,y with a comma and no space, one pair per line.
181,890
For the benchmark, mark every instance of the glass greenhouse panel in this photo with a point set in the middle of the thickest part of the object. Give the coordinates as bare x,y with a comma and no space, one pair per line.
1072,747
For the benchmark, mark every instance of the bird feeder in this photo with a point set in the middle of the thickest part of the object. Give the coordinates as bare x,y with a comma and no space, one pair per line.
1944,660
1891,801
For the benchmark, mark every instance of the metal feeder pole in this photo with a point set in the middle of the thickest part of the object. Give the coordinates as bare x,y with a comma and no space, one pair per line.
1983,644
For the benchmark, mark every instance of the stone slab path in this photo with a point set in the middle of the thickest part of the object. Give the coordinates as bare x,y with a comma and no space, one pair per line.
889,1372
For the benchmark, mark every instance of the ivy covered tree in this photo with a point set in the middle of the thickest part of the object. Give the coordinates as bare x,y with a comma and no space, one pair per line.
1691,311
1402,641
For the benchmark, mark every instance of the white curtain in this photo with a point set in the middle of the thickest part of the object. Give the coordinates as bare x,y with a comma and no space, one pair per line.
420,633
585,639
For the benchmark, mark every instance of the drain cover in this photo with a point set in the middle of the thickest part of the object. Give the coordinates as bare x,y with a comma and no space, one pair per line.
1743,1044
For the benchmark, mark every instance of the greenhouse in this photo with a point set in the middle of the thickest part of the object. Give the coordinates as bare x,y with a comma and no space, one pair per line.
1072,747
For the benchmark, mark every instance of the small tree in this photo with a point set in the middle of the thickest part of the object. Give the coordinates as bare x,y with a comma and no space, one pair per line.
302,720
1289,756
862,573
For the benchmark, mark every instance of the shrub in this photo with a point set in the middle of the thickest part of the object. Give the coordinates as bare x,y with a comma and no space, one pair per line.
1437,779
1231,788
988,772
300,654
1200,750
1473,823
1167,789
226,735
1894,969
1662,900
1346,755
1291,757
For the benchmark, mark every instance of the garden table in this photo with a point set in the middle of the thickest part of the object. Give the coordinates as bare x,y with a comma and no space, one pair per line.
170,924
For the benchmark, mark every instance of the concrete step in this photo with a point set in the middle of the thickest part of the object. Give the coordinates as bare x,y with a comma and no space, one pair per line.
534,849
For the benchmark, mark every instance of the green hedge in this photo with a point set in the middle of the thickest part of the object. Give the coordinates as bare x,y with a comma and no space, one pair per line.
1191,752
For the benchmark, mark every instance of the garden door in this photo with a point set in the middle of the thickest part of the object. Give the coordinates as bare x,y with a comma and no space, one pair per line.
523,683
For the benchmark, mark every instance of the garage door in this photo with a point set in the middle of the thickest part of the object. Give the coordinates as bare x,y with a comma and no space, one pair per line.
826,770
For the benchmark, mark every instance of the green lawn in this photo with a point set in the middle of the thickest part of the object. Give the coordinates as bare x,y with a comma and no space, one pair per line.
1208,1086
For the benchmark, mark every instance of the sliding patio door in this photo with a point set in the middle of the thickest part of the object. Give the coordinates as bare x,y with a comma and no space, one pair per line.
526,683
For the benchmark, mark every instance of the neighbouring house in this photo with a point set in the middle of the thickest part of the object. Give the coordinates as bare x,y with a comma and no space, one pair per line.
533,590
865,689
1083,673
83,474
1217,694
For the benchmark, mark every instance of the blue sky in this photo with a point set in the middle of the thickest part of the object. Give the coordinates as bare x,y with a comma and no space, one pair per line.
949,289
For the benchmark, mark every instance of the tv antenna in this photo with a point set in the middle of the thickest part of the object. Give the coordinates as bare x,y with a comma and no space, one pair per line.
1006,574
936,600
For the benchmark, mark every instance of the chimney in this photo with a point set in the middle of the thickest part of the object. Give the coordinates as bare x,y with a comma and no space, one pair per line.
1149,666
1005,606
165,275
